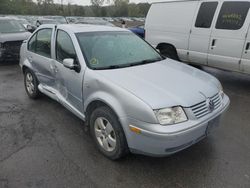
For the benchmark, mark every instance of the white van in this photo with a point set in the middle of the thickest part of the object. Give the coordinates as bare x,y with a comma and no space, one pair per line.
207,32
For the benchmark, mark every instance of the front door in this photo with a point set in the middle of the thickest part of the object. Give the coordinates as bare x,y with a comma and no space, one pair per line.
200,33
228,36
68,82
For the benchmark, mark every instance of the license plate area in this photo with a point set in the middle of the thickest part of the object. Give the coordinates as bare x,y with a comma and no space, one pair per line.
213,124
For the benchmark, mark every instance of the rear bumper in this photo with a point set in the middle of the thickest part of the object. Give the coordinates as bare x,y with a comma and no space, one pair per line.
165,143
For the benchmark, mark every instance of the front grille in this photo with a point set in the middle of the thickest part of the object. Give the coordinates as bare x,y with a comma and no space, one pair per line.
14,46
201,109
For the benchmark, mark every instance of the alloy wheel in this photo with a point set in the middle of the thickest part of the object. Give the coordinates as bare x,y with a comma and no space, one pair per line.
30,83
105,134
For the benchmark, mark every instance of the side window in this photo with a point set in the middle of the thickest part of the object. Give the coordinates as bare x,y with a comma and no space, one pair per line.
206,14
64,47
43,42
32,44
232,15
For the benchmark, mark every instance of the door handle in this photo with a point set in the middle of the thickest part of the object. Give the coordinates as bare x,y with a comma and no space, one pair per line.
52,67
56,69
213,44
30,59
247,47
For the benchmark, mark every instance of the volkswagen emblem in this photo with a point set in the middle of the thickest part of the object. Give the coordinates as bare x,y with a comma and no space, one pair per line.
210,105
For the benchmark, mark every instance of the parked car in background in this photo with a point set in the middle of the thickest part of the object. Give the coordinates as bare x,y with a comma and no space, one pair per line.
72,19
12,34
138,30
24,22
130,97
42,21
95,22
214,33
59,19
28,26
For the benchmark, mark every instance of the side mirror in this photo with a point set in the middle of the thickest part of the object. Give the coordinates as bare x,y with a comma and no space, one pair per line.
29,28
69,63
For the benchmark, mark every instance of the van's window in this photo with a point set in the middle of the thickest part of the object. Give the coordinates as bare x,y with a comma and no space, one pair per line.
206,14
43,42
64,47
32,43
232,15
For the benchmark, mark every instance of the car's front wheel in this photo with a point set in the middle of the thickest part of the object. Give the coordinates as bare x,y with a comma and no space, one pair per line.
107,133
31,84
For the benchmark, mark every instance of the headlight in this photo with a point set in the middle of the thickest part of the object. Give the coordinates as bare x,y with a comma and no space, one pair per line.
221,92
169,116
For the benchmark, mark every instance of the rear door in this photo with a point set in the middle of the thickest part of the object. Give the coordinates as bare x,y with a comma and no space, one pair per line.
39,55
228,36
200,32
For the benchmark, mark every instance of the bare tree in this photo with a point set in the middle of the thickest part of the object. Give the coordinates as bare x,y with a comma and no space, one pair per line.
97,2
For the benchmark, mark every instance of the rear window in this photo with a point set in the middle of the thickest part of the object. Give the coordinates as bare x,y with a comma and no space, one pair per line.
232,15
206,14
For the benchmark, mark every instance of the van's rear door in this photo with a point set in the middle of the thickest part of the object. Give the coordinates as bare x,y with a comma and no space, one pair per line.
200,32
228,36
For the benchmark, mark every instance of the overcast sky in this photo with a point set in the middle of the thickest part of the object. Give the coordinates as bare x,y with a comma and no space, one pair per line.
87,2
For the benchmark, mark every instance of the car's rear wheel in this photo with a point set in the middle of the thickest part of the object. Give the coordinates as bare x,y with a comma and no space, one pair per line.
107,133
31,84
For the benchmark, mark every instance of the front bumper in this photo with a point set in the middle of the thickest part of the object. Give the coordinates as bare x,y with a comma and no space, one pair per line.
158,140
8,55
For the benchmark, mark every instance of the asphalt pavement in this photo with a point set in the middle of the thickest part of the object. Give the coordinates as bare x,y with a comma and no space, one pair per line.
43,145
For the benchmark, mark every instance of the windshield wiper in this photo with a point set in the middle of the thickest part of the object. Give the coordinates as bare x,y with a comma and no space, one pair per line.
146,61
109,67
128,65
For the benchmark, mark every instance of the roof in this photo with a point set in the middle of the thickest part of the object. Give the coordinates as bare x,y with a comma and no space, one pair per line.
6,18
79,28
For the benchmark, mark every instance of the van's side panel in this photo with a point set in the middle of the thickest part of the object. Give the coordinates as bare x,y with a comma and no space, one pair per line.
245,61
226,45
200,36
171,23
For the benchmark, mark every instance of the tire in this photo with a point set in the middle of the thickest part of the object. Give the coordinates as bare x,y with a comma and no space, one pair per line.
169,51
31,84
107,133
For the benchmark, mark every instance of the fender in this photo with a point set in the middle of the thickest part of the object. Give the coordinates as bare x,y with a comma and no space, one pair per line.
108,99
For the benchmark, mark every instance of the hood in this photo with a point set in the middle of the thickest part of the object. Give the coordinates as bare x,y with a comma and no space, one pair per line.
165,84
4,37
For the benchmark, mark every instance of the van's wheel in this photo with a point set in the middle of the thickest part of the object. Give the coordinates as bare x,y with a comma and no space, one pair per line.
31,84
107,133
169,51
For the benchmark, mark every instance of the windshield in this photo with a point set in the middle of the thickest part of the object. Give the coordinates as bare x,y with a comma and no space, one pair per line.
106,50
11,26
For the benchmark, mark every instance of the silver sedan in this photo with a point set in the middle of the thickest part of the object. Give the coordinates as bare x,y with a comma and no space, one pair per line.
130,97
